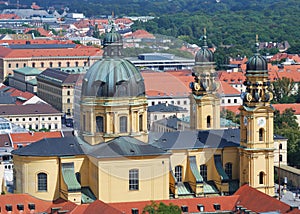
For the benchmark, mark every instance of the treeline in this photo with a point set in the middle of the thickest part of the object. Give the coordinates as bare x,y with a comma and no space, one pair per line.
231,25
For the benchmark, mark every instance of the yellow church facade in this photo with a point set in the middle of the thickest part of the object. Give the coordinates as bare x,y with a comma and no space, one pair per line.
113,158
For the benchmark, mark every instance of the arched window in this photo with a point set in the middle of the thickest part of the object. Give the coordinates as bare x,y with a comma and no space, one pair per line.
42,181
42,64
100,125
261,134
68,93
280,146
203,171
59,64
68,100
51,64
17,65
134,179
261,177
33,64
208,121
76,64
68,64
141,123
228,170
178,173
280,158
24,65
123,124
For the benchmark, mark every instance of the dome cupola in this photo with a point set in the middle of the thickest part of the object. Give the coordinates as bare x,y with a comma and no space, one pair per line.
113,77
204,54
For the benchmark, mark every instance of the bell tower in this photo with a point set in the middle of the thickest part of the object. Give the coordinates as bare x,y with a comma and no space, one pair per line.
205,103
257,143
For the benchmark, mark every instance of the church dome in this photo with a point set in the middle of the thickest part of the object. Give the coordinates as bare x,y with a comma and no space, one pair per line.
257,63
112,37
204,55
113,77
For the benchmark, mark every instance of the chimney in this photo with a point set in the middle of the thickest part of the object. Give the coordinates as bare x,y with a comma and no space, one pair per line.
184,208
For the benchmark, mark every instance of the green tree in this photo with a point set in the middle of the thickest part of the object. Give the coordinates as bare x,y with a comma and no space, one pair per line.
229,115
285,124
161,208
282,90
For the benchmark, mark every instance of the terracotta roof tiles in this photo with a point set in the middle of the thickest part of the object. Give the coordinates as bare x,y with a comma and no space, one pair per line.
173,84
282,106
227,203
31,137
25,199
227,89
28,53
257,201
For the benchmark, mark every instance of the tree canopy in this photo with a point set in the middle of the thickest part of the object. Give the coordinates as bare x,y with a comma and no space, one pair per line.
161,208
285,124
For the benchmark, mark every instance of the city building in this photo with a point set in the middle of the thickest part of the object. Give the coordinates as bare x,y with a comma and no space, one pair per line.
24,79
164,110
33,116
42,54
113,157
56,87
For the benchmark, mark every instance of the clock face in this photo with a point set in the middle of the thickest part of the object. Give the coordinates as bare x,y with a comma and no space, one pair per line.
261,121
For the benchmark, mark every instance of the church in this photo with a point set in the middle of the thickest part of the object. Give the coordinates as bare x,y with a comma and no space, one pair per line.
114,158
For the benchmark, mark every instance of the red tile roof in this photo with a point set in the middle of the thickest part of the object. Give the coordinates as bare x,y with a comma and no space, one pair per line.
9,16
170,83
99,207
42,31
257,201
36,41
282,107
142,34
31,137
238,61
227,89
17,93
227,203
234,109
41,206
232,77
28,53
4,139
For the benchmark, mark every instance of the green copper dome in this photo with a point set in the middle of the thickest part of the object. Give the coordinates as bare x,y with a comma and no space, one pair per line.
112,37
113,77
